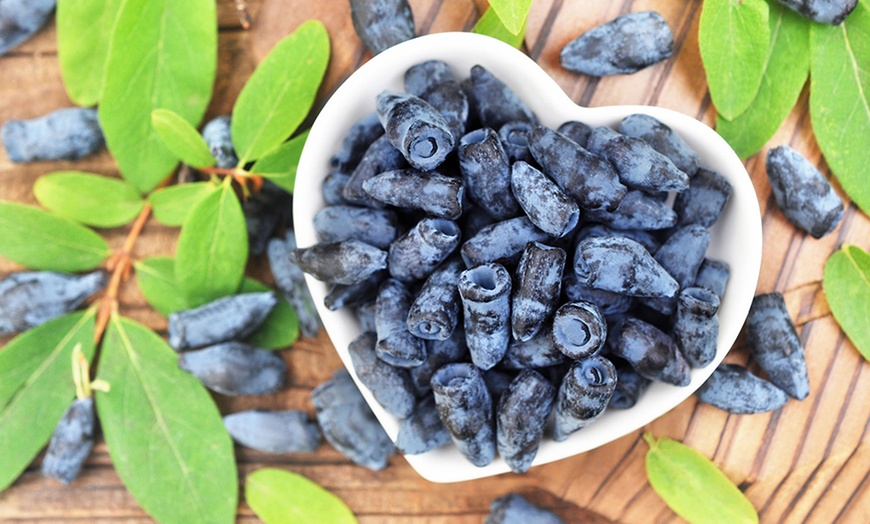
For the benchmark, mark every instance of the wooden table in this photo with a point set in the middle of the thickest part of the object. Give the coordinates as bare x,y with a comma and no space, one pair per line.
809,461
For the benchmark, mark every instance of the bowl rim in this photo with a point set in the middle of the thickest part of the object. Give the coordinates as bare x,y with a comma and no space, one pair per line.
740,245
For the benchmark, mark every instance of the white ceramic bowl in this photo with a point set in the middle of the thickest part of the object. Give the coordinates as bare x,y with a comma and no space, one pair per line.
736,238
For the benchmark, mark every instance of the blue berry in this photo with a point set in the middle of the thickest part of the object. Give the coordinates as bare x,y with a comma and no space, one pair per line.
802,193
822,11
501,242
546,205
381,24
332,188
608,302
775,345
514,138
487,173
21,19
216,134
621,265
228,318
630,385
713,275
576,131
583,395
663,139
624,45
347,262
705,199
465,408
536,352
290,280
379,157
65,134
71,442
735,389
538,285
395,344
357,140
438,353
521,417
639,165
376,227
434,314
273,431
579,330
341,295
651,352
637,210
416,129
696,325
31,298
589,179
433,193
486,293
514,509
233,368
492,101
423,430
391,386
414,255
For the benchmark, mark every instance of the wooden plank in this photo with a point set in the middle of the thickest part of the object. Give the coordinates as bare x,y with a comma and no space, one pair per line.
806,462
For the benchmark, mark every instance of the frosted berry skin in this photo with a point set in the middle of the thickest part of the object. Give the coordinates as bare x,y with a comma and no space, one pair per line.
395,344
681,256
228,318
381,24
713,275
465,408
639,165
347,262
775,345
503,241
696,325
589,179
704,201
273,431
651,352
348,423
546,205
233,368
217,136
637,210
391,386
647,239
415,128
538,286
579,330
341,295
802,193
823,11
514,138
621,265
438,353
486,304
71,442
21,19
423,430
434,313
583,395
608,302
663,139
428,191
31,298
513,508
576,131
492,101
629,386
486,172
433,81
65,134
360,136
423,77
332,188
376,227
536,352
521,417
735,389
379,157
417,253
290,281
622,46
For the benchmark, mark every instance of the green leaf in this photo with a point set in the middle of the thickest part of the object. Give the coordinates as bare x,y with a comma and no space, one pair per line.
513,13
165,434
847,288
39,240
281,91
279,497
281,328
279,166
172,204
840,100
95,200
181,138
734,37
785,72
156,279
163,54
692,486
84,29
37,387
491,25
212,248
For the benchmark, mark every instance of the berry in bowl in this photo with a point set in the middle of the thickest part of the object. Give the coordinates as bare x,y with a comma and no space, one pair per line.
512,279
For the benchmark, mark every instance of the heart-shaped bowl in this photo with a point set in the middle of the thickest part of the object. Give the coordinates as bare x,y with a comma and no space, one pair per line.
735,238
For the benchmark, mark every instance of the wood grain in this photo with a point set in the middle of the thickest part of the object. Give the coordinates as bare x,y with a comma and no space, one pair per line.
808,462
